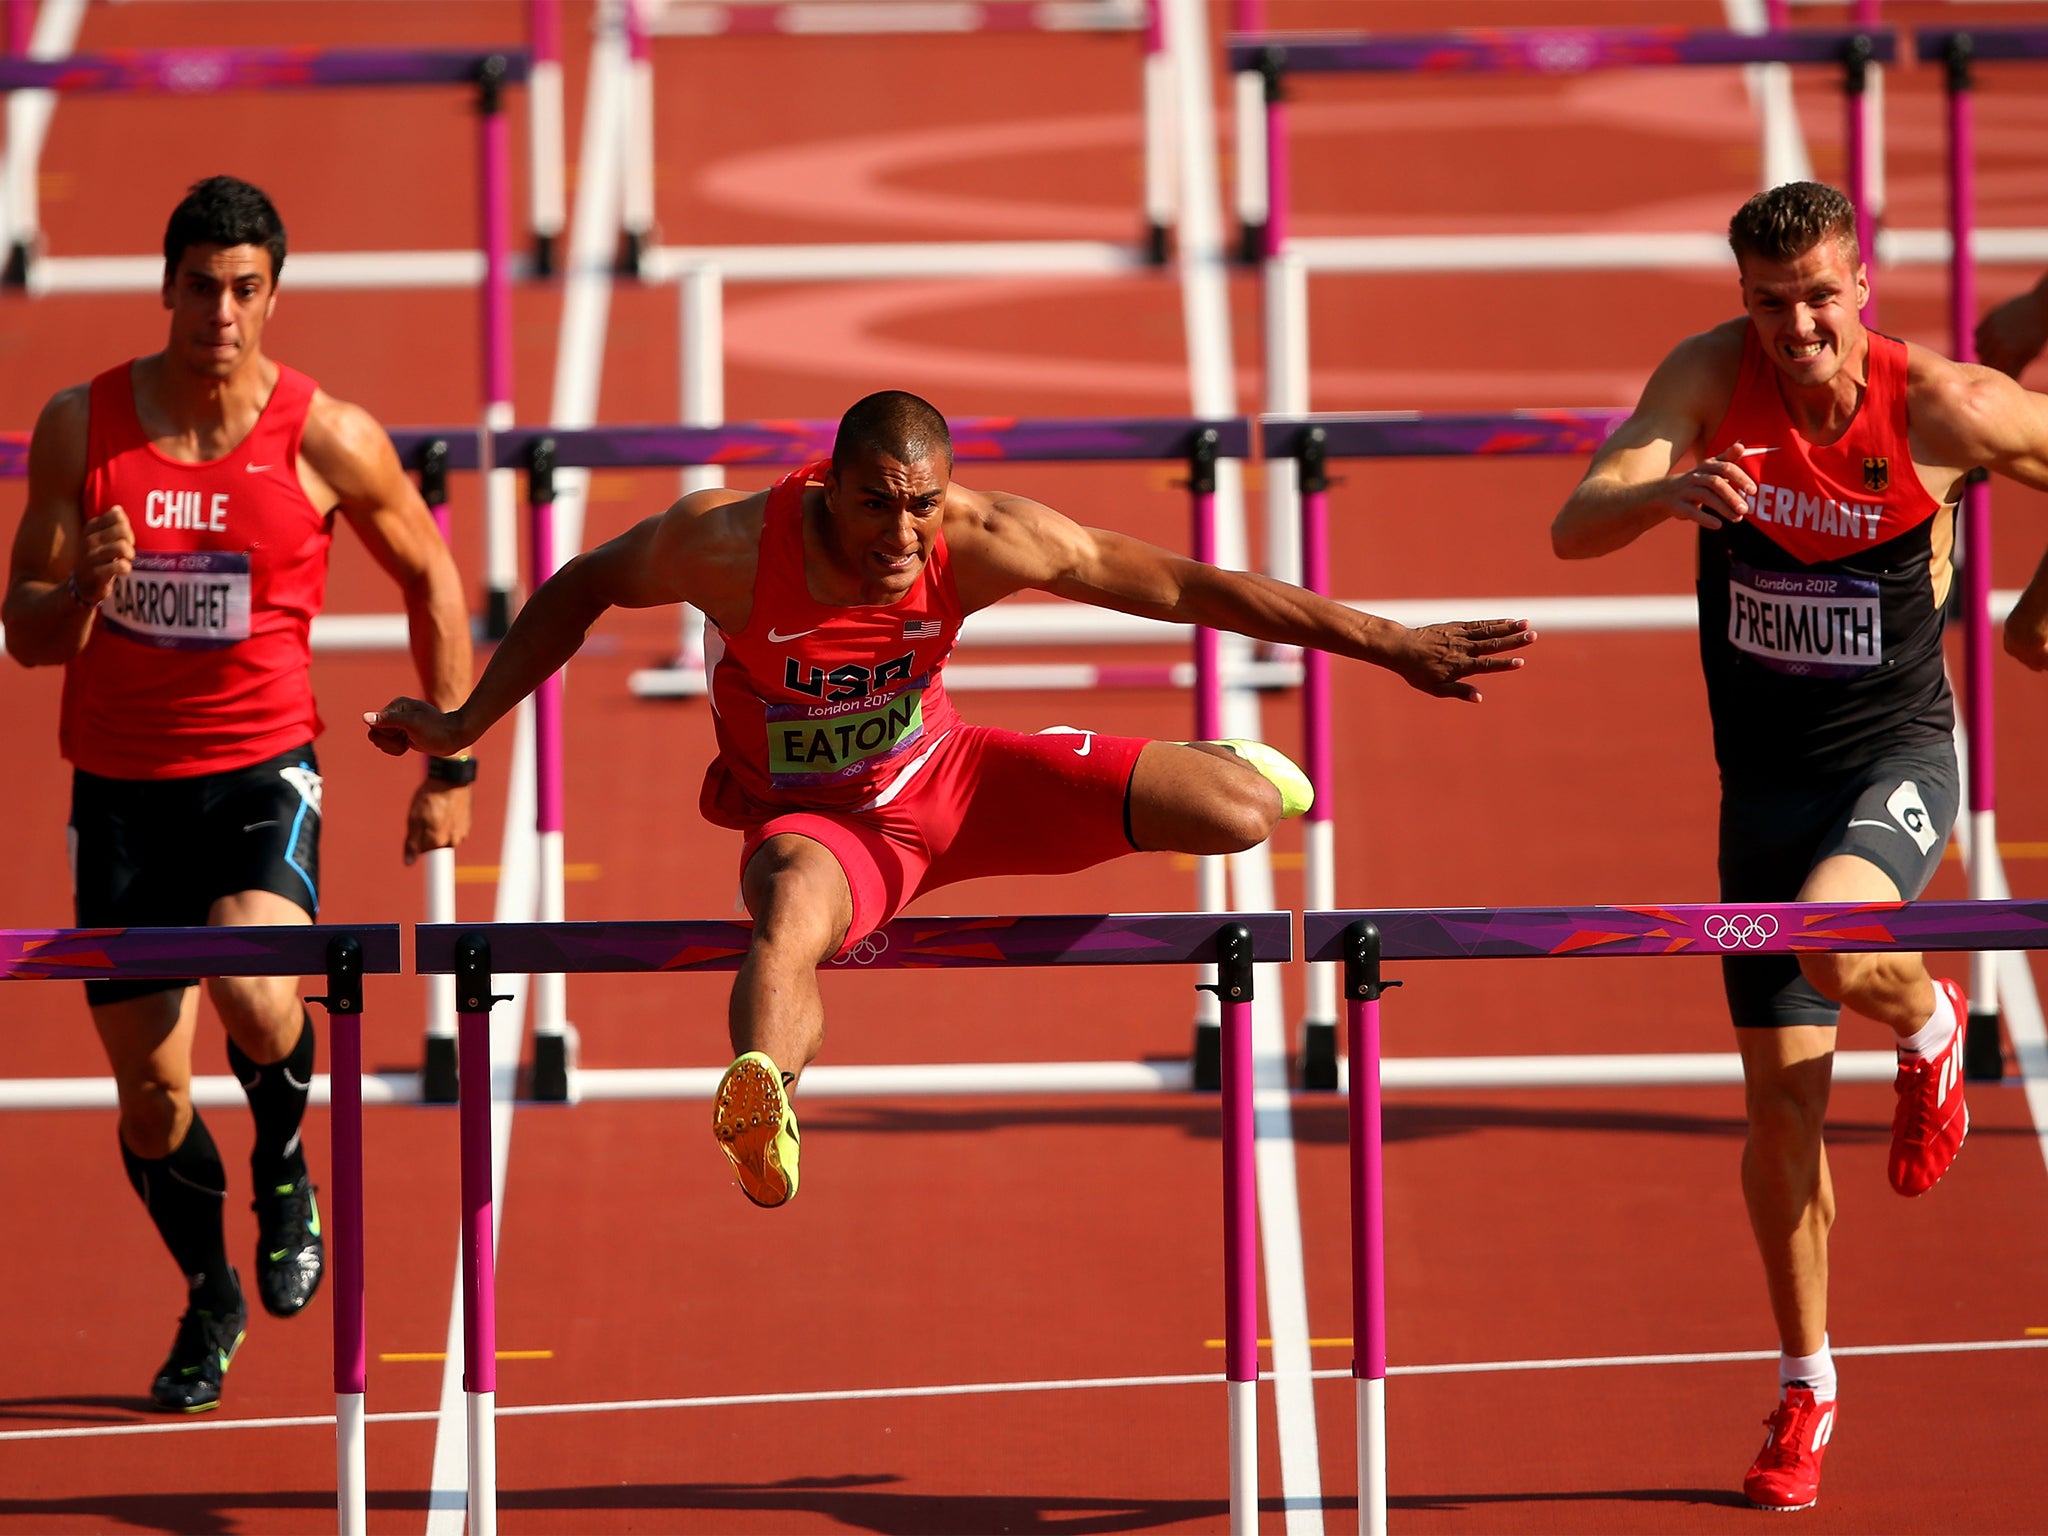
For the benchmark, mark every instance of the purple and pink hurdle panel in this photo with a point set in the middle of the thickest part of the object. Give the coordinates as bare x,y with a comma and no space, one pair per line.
1234,943
1360,941
344,955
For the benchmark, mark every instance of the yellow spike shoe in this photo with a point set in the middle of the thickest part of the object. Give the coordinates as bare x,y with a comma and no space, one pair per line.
1278,769
756,1127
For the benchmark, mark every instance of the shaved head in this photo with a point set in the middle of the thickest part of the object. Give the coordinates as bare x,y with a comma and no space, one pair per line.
892,424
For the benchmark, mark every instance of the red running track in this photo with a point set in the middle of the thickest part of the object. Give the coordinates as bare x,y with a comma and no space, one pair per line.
955,1242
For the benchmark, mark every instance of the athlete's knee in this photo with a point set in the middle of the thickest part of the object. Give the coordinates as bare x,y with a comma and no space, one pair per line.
1786,1111
1836,976
797,894
154,1114
262,1014
1245,808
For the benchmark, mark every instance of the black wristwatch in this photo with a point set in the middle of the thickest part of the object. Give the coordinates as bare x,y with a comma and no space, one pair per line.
452,770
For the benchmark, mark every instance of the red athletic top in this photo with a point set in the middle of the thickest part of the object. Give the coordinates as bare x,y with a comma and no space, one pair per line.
1819,633
824,707
199,659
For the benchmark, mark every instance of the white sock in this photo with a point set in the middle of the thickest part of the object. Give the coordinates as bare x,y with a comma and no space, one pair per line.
1815,1372
1931,1038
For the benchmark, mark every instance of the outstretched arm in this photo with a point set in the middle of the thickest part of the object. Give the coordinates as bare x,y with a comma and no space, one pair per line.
1631,487
647,565
1020,544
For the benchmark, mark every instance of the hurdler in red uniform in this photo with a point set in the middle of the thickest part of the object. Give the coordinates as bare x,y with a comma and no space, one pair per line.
834,600
171,558
1830,462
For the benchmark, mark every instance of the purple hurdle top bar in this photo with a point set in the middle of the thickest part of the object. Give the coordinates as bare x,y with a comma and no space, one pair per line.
911,943
187,71
1528,933
975,439
1988,45
106,954
1548,50
1453,435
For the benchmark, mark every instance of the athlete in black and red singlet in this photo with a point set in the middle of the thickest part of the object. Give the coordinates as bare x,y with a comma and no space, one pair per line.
171,558
833,600
1830,462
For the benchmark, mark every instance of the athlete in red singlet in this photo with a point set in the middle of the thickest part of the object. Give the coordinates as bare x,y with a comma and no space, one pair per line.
171,558
833,600
1830,461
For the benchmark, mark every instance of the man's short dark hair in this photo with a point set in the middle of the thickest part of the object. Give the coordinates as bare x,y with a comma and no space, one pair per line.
1786,222
225,211
892,424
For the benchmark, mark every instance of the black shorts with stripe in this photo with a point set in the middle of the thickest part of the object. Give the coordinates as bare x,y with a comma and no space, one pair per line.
157,853
1896,812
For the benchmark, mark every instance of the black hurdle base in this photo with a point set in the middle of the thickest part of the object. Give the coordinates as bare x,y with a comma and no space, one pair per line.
632,249
1156,244
543,255
554,1063
1251,244
16,275
1983,1051
497,613
439,1081
1319,1055
1207,1058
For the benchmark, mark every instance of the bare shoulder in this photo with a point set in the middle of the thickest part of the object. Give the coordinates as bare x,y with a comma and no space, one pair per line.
340,437
1707,362
716,523
57,448
1958,413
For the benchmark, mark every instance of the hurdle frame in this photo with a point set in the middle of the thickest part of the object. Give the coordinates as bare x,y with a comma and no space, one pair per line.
1361,940
344,954
1200,442
212,71
1287,260
1959,50
1234,943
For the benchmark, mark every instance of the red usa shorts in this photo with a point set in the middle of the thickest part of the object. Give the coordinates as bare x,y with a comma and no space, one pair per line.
986,802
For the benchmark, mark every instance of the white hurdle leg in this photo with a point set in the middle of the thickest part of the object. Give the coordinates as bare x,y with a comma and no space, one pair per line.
1372,1457
352,1478
702,349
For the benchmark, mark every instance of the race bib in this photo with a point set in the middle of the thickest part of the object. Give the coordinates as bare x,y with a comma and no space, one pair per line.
1805,623
822,743
184,599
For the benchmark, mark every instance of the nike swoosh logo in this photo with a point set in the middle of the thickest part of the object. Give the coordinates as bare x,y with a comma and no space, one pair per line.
1087,744
256,469
1861,822
775,639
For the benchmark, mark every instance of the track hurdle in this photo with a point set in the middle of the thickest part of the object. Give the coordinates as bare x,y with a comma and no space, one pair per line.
1959,52
1198,443
1362,940
649,19
344,954
1232,942
1307,444
211,71
1287,260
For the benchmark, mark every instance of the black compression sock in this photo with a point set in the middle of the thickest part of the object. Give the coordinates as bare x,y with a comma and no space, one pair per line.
277,1098
183,1194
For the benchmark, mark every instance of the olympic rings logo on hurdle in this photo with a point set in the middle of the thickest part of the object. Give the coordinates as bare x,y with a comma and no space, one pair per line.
866,952
1740,931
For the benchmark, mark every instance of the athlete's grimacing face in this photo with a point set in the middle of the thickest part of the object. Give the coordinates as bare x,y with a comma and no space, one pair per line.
1807,311
220,297
886,516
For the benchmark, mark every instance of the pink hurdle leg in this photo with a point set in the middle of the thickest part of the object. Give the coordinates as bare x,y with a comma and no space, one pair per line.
479,1277
345,1260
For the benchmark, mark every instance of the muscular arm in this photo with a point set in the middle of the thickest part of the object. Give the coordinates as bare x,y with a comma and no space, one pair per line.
54,544
1011,544
682,555
2012,335
1964,416
1631,487
348,449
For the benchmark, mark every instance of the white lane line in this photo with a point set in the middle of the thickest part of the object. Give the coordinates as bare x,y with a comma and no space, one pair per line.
579,362
1013,1388
1205,304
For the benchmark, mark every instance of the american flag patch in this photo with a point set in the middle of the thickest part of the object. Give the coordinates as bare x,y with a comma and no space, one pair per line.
921,629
